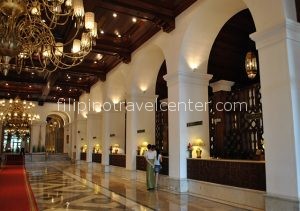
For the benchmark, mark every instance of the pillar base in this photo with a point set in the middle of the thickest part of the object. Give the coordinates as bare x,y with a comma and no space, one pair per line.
105,168
177,185
279,203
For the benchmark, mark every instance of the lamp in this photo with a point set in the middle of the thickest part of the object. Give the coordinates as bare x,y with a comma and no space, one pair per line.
199,144
17,115
27,40
116,148
251,65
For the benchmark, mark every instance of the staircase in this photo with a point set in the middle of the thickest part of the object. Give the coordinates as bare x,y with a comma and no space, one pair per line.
45,157
58,157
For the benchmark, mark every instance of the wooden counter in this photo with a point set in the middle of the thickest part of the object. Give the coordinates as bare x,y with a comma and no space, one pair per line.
96,157
239,173
117,160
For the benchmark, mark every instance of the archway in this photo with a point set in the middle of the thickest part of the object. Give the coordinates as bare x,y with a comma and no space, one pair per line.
161,115
54,134
235,133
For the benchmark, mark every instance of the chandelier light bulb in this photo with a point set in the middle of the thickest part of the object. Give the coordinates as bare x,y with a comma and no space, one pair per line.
95,30
89,21
78,8
76,46
59,49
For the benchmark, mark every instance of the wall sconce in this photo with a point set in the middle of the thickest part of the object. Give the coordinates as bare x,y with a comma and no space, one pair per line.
251,65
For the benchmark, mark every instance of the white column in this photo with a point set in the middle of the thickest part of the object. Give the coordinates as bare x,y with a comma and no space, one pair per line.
105,139
140,116
188,102
93,124
279,57
80,136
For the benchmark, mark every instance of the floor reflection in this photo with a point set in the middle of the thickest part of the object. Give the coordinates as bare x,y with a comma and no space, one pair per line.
58,186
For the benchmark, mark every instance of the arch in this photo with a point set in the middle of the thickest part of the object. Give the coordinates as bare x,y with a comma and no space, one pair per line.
233,39
144,70
202,31
64,115
54,141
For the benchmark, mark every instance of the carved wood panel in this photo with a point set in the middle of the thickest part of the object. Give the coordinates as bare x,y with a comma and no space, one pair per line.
237,133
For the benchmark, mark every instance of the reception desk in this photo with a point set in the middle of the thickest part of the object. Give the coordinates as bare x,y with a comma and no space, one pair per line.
117,160
238,173
96,157
82,155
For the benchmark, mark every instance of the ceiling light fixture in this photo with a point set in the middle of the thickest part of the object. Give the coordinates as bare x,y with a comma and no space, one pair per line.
134,20
27,40
115,15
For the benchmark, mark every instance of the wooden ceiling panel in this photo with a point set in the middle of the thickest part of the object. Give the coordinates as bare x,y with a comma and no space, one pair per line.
151,17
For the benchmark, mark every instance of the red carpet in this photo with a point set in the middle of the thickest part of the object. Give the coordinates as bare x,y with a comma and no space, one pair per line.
15,192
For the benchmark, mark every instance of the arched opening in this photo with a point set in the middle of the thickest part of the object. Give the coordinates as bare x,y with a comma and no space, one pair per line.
54,134
235,130
161,116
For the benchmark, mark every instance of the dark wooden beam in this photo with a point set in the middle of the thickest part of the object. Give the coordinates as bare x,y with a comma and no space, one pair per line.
140,9
72,85
114,50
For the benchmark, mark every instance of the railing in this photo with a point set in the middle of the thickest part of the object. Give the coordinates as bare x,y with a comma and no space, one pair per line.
117,160
237,173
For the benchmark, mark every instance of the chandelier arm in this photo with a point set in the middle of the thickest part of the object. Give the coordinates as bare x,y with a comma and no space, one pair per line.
55,22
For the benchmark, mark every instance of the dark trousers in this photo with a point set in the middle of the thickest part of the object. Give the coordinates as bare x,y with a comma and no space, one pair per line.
22,151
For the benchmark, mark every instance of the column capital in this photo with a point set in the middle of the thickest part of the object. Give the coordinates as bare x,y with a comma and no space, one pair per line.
222,85
188,77
288,29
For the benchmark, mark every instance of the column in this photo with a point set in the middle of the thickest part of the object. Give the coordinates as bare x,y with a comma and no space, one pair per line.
81,139
187,103
93,125
279,50
105,127
140,125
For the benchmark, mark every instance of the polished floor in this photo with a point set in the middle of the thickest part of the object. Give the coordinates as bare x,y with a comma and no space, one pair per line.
63,186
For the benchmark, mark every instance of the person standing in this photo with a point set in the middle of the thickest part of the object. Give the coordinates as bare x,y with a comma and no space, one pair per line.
150,157
23,143
157,166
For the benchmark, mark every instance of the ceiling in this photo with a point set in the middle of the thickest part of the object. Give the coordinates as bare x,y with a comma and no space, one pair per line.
151,17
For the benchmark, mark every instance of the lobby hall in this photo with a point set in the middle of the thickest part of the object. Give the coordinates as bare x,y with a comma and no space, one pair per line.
86,85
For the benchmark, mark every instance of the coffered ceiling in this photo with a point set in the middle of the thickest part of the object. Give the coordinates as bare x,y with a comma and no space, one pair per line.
123,26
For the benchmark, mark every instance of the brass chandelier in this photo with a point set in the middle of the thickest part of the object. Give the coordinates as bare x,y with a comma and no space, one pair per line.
26,35
17,115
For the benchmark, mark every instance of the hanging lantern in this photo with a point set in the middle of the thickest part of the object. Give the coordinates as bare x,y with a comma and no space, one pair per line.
251,65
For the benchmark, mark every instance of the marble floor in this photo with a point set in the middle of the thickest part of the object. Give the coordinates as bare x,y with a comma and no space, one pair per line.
63,186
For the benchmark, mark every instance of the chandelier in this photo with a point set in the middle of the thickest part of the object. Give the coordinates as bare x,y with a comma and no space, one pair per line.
27,40
251,65
17,115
